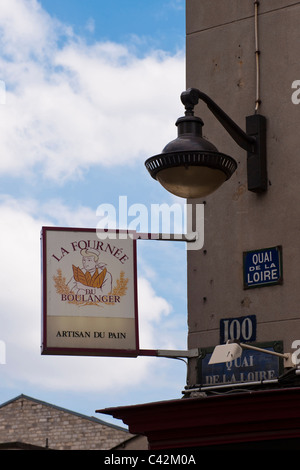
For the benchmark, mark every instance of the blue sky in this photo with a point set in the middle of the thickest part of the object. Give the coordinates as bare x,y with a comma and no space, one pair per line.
156,24
92,90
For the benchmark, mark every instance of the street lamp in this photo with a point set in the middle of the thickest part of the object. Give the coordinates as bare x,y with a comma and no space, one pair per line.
192,167
231,351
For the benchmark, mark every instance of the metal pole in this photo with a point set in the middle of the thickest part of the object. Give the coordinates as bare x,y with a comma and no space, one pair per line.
247,346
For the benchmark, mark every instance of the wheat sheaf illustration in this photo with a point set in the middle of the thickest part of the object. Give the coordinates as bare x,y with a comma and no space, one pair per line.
90,281
86,279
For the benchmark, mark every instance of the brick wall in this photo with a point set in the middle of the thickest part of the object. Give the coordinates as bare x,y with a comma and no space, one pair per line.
38,423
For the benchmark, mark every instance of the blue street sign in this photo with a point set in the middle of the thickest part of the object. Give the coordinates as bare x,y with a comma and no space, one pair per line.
262,267
252,366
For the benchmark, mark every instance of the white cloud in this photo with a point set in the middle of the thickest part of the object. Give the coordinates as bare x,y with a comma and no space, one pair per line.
63,216
78,104
90,25
152,309
26,30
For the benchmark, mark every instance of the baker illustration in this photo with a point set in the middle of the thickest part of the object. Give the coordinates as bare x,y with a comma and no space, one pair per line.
93,277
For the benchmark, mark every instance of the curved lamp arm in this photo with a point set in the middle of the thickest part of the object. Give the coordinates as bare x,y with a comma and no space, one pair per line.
192,96
253,141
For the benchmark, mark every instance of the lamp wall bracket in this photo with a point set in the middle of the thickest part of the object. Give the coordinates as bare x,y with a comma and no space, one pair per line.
257,159
253,140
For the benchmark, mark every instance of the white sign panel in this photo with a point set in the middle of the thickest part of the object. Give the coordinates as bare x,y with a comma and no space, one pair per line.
89,292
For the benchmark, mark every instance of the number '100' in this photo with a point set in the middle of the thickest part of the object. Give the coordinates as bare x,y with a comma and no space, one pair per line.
238,329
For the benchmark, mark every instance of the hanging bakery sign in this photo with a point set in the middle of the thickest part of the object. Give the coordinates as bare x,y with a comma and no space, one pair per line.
89,292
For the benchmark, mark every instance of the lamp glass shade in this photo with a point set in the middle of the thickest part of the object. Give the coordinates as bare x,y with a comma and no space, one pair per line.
191,181
190,166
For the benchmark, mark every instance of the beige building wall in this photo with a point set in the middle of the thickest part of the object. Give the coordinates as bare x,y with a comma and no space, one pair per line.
221,62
